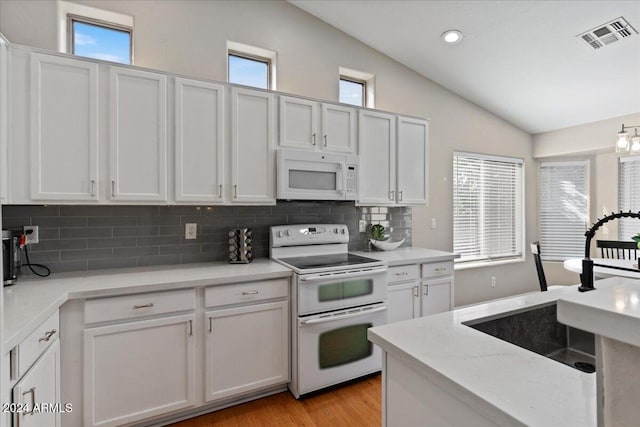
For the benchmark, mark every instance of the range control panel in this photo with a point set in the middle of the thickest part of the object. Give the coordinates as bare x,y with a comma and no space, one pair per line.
308,234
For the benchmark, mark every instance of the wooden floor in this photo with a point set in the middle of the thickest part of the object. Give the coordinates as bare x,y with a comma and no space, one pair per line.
356,404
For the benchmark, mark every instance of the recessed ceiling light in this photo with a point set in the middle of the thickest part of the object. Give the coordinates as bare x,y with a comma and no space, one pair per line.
452,36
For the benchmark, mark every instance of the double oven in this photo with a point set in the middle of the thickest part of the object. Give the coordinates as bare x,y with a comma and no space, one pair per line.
336,297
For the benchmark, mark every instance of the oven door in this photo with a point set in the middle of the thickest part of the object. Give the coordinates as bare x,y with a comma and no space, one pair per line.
310,175
340,289
333,347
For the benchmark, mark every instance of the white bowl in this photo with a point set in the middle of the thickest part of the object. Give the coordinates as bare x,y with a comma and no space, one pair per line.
386,246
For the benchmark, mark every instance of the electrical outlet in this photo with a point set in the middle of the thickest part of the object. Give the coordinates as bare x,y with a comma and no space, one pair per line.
362,226
493,281
433,223
31,234
190,231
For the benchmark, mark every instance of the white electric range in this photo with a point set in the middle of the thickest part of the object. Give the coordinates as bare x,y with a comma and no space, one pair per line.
336,297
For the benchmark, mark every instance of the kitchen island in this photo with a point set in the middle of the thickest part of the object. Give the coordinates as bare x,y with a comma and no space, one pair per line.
440,372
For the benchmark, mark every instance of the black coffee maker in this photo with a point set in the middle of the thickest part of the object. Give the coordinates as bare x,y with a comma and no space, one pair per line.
11,261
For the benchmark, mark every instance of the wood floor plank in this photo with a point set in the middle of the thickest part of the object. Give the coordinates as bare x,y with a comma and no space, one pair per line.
358,403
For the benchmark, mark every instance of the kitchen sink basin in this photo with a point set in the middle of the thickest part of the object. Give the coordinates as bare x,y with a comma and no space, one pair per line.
538,330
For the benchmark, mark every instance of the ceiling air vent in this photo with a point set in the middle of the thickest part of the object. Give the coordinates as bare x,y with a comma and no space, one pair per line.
608,33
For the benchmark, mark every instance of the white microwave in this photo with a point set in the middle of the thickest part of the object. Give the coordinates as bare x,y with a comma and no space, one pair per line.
313,175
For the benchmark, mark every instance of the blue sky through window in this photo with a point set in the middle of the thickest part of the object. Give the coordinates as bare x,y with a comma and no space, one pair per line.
95,41
351,93
250,72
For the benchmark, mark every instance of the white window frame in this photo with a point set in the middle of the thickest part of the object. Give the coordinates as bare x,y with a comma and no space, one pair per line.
257,54
93,16
368,79
461,263
625,229
548,252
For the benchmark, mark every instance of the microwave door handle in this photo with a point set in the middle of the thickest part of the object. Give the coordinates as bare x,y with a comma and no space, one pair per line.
316,278
342,317
340,182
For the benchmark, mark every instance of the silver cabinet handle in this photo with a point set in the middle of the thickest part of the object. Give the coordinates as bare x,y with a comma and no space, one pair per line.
136,307
426,291
32,392
404,273
441,269
416,291
314,139
235,190
210,324
190,328
250,293
47,336
392,195
93,188
325,140
400,195
113,188
220,190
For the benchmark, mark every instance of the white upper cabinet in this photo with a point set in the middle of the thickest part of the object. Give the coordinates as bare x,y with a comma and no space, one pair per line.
413,161
64,128
377,145
252,146
138,135
313,125
199,141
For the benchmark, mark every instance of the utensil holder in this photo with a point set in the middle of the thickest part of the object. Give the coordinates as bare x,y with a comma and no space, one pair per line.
240,250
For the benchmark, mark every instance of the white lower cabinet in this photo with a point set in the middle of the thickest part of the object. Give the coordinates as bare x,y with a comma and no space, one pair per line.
139,369
437,296
38,391
403,301
246,349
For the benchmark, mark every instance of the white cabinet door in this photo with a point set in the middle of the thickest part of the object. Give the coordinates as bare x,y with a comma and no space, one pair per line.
40,385
413,161
338,128
199,133
252,147
298,122
437,295
136,370
247,348
64,128
377,146
403,301
137,135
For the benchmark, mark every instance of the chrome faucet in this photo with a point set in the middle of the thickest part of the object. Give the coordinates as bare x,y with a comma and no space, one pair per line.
586,278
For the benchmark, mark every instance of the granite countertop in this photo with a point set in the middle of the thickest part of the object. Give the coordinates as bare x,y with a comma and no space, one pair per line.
409,255
33,299
502,379
612,310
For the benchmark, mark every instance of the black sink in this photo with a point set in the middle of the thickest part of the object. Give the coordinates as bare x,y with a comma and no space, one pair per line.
538,330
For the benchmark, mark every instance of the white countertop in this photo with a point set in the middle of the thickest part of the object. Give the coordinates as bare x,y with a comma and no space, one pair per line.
409,255
611,310
575,265
503,378
33,299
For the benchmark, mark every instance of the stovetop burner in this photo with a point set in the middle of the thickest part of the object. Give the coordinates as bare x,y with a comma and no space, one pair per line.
327,261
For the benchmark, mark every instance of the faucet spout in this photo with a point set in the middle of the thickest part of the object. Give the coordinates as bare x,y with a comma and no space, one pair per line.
586,278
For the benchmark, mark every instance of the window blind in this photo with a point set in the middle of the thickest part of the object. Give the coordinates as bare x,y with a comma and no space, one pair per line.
563,209
629,196
487,207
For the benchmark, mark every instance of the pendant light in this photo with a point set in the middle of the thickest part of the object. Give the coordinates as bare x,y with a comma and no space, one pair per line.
623,145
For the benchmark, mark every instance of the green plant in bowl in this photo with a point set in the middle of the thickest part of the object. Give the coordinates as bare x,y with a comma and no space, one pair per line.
377,232
636,239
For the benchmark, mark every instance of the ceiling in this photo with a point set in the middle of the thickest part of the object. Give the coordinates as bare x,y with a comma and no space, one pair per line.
520,60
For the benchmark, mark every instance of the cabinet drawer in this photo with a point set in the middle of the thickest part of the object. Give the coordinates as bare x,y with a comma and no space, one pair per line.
140,305
403,273
435,269
35,344
246,292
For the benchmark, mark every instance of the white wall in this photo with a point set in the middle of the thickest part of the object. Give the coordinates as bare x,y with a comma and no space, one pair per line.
594,142
190,37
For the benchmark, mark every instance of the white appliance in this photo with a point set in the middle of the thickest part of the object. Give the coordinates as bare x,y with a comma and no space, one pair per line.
336,298
312,175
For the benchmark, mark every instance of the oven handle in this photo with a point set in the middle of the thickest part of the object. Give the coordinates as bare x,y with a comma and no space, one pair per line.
341,275
343,316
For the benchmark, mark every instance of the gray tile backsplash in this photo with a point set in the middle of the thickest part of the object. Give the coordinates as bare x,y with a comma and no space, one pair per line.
79,238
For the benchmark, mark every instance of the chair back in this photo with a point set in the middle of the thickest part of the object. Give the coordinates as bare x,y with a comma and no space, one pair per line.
618,249
535,250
